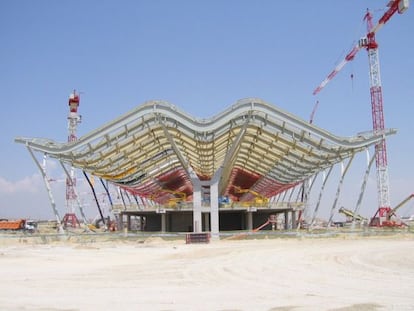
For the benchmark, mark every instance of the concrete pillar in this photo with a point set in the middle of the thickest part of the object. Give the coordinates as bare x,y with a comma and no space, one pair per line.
141,221
129,222
164,222
286,220
197,221
214,209
249,221
120,221
206,221
294,222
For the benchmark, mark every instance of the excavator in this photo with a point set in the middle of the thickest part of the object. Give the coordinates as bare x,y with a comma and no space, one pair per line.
259,199
388,222
172,202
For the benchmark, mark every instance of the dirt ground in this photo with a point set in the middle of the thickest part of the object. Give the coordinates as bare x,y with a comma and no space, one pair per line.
300,273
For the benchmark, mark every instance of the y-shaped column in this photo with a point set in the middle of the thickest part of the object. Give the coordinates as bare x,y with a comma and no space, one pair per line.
197,221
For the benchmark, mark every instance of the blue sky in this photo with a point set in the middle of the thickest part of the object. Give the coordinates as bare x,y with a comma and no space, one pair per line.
201,56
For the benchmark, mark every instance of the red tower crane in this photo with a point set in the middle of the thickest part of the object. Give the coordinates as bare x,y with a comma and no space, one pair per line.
74,119
370,44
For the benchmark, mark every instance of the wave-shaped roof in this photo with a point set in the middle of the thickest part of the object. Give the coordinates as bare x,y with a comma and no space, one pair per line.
252,145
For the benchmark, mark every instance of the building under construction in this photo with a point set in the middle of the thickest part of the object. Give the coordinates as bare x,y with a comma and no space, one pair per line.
237,170
234,171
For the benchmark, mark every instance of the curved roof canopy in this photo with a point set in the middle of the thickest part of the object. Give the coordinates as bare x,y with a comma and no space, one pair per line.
156,148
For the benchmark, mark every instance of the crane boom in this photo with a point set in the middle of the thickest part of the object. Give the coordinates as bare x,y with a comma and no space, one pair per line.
399,6
350,56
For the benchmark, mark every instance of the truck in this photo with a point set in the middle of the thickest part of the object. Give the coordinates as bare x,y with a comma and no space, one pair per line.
18,225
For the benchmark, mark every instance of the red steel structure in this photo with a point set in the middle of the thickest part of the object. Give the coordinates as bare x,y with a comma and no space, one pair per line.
370,44
74,119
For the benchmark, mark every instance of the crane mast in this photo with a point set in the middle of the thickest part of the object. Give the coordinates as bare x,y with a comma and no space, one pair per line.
378,123
74,119
370,44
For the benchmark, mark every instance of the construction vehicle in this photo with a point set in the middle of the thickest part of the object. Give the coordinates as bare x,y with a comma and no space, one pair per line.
258,199
17,225
384,219
172,202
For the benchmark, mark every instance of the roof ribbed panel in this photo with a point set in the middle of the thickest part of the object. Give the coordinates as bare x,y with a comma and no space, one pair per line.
256,145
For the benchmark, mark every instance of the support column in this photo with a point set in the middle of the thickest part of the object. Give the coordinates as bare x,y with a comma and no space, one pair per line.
128,222
197,221
214,208
294,224
164,222
206,221
315,211
249,221
286,220
48,188
338,190
364,183
120,221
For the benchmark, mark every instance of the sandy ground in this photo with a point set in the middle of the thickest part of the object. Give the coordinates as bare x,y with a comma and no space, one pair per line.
341,273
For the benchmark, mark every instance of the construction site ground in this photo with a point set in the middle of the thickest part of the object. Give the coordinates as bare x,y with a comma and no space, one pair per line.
294,270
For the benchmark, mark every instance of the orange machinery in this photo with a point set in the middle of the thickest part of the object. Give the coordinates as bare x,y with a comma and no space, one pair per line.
12,224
